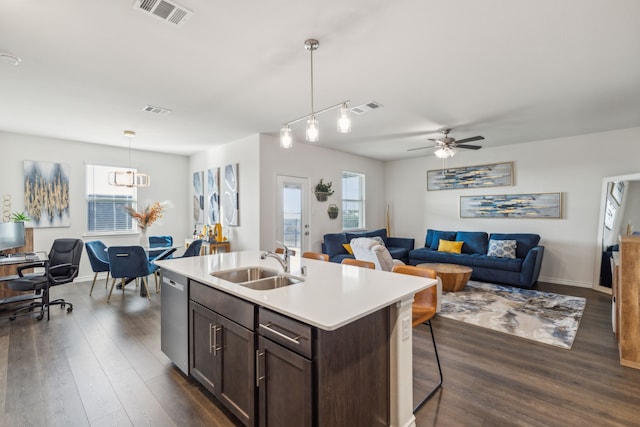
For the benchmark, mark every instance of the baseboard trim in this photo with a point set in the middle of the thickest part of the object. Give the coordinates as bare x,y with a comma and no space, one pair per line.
556,281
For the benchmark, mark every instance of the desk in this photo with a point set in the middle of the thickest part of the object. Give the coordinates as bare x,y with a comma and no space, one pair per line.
8,271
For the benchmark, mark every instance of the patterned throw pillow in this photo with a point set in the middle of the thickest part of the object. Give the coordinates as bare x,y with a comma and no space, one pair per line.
502,248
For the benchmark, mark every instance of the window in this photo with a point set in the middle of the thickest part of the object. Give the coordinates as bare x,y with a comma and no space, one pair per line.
352,200
105,203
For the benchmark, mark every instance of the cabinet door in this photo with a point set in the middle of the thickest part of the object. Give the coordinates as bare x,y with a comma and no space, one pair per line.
235,362
284,386
202,327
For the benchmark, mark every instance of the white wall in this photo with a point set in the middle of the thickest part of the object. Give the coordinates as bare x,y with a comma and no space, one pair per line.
246,153
169,178
315,162
574,166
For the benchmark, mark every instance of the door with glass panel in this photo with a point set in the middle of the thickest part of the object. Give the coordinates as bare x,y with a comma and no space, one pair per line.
292,212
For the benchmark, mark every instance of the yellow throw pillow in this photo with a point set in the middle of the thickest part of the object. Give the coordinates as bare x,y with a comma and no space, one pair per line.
449,246
347,246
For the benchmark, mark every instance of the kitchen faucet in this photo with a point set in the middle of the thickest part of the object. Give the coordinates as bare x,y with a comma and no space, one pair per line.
284,262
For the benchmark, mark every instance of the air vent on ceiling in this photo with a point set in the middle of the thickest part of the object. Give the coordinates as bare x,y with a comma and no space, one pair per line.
165,10
365,108
156,110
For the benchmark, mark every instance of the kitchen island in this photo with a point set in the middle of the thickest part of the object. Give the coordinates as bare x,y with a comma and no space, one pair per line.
314,348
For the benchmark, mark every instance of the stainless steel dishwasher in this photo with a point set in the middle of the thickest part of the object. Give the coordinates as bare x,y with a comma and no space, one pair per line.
174,319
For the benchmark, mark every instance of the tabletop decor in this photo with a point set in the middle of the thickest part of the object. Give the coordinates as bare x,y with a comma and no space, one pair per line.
146,218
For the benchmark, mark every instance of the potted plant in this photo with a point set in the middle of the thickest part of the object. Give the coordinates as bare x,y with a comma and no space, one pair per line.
333,211
20,217
323,190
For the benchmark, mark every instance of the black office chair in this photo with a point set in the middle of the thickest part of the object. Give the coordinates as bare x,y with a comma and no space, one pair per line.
61,267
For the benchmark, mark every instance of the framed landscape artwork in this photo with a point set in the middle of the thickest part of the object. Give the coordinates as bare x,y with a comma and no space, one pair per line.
492,175
530,205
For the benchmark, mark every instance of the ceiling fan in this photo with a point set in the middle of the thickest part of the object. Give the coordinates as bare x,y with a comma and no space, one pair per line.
445,145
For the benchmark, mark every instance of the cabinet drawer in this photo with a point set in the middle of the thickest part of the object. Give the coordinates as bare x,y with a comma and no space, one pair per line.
240,311
290,333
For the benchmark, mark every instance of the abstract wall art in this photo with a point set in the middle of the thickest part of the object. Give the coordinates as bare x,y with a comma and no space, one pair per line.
230,202
492,175
46,193
198,198
213,196
530,205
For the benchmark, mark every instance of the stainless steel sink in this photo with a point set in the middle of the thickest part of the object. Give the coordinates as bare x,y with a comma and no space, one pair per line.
258,278
272,283
246,274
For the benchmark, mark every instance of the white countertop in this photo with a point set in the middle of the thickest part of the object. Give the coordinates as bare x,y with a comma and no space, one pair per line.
331,296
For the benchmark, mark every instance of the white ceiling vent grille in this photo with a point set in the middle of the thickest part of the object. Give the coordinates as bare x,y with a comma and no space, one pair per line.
165,10
365,108
156,110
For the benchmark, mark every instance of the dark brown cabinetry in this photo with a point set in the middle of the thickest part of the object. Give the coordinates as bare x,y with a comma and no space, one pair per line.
308,376
222,348
272,370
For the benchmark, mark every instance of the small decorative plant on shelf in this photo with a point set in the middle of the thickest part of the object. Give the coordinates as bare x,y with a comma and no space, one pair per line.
333,211
323,190
20,217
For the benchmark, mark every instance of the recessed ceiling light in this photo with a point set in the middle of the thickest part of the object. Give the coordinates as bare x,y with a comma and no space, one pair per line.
7,58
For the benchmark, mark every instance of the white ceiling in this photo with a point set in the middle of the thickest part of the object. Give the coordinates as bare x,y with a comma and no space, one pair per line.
512,71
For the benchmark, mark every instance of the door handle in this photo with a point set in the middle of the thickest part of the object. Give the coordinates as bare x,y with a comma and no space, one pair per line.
215,347
258,376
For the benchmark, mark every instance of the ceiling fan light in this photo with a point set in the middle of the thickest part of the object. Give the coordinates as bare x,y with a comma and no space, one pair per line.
285,137
344,119
313,132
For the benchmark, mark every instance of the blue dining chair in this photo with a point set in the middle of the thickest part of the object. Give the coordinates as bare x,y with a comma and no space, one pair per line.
159,242
97,253
128,263
193,249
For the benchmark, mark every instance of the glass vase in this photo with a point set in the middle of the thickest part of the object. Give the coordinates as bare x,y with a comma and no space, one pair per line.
144,242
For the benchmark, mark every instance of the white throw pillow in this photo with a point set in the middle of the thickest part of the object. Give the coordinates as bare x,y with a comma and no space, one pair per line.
502,248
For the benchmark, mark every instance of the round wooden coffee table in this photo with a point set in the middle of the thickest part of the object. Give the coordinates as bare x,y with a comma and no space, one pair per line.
454,277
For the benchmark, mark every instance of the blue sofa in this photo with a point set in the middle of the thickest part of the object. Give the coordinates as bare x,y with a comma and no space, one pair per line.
398,247
521,271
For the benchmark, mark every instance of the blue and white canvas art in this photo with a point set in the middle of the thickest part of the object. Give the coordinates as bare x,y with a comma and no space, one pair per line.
531,205
213,196
230,203
46,193
492,175
198,197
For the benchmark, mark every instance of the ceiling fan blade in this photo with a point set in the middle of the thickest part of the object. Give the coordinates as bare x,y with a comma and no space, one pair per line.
473,138
468,147
419,148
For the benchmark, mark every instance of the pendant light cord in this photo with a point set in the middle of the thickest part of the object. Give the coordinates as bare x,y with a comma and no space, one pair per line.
311,51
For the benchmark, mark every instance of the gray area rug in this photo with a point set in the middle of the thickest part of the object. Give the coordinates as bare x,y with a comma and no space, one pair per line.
540,316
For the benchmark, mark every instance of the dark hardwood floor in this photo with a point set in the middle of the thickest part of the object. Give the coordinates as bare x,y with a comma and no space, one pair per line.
101,365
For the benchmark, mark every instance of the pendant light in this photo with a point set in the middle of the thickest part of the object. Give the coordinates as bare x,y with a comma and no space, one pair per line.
312,133
129,177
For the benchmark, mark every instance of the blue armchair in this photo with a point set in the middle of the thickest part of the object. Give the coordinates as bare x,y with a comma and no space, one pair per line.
129,262
159,242
97,253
